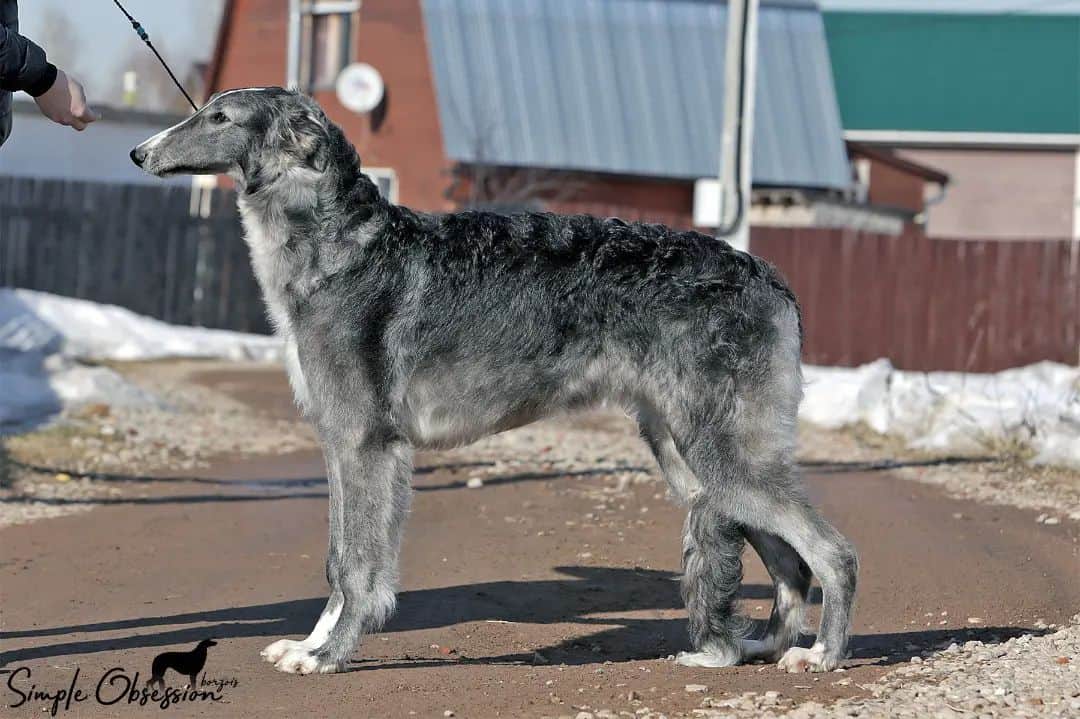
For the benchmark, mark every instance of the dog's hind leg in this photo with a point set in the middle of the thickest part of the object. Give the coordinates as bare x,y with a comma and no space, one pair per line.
829,556
375,468
274,652
735,429
712,572
712,548
748,463
791,579
790,574
772,500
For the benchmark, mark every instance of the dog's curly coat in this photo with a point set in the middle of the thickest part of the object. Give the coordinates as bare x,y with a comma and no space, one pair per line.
409,330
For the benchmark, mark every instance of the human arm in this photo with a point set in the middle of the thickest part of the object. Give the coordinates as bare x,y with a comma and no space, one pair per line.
24,66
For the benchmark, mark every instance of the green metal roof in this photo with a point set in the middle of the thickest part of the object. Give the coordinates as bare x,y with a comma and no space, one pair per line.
956,72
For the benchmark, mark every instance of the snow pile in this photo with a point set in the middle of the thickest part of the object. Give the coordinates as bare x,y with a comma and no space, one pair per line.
36,387
36,321
1038,406
43,339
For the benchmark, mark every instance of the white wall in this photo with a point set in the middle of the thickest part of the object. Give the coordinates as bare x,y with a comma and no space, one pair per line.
1002,193
40,148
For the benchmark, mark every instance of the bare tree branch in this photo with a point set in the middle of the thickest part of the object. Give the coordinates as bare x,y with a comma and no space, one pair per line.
59,38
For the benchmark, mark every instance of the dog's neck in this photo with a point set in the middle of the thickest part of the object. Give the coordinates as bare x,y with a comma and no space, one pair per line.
277,251
294,226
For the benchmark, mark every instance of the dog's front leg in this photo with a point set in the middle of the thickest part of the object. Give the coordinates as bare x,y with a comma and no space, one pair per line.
375,466
330,613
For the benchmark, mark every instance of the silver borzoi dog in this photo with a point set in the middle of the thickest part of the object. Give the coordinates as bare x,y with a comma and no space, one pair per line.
406,331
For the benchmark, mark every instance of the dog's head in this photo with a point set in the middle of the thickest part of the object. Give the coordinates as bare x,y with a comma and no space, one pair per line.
248,134
207,643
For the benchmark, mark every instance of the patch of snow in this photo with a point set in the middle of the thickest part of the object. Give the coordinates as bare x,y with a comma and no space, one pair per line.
954,411
45,341
34,394
835,397
40,322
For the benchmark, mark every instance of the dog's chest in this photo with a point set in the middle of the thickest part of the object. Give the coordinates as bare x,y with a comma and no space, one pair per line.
266,241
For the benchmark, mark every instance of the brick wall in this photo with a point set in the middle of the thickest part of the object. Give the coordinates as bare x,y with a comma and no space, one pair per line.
670,202
404,133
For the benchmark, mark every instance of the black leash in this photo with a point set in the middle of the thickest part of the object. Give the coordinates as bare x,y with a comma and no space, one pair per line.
146,38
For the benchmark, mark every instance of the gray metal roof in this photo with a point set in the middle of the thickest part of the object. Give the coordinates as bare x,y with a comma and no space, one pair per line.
630,87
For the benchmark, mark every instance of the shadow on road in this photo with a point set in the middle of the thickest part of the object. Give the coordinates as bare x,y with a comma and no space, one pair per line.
120,478
283,485
5,465
588,596
177,499
280,486
885,465
631,642
586,593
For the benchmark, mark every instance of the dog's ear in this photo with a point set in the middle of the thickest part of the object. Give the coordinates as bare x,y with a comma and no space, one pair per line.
306,136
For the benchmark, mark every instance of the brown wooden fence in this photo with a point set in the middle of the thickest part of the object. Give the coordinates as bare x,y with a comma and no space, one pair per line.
137,246
929,304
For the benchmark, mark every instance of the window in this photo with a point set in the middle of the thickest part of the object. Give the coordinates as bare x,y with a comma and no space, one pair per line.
327,42
386,180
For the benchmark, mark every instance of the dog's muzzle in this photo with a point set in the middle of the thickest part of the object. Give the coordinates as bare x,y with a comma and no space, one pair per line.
138,156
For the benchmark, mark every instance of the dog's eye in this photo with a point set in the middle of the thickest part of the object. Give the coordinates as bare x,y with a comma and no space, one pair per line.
219,118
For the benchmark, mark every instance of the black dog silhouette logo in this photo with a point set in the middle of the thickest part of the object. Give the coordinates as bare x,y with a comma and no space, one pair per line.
187,664
117,686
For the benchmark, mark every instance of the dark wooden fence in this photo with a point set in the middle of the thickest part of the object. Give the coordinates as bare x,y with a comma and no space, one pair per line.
929,304
973,305
137,246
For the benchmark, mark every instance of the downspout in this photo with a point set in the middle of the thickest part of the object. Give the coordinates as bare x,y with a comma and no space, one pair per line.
923,217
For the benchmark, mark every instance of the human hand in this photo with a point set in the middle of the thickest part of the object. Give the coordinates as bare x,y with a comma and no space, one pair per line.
65,103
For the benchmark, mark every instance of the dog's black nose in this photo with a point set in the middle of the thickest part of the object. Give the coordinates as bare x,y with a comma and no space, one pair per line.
138,157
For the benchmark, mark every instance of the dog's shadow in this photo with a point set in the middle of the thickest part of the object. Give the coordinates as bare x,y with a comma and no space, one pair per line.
599,596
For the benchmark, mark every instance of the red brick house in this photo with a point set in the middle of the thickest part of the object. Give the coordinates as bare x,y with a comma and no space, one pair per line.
572,107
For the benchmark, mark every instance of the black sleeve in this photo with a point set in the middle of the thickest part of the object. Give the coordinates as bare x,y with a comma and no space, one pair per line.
23,65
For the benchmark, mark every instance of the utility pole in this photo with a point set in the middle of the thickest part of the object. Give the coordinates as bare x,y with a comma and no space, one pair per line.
736,143
292,62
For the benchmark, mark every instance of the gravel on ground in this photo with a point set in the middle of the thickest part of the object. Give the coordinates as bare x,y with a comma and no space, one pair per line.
193,425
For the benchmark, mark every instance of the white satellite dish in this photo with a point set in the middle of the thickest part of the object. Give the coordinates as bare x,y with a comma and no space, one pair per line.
360,87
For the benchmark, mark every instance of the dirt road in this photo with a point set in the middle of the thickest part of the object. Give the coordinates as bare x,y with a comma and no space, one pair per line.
524,597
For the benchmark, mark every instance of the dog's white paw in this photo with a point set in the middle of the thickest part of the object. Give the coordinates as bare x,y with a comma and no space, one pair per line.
301,660
713,658
278,649
797,660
